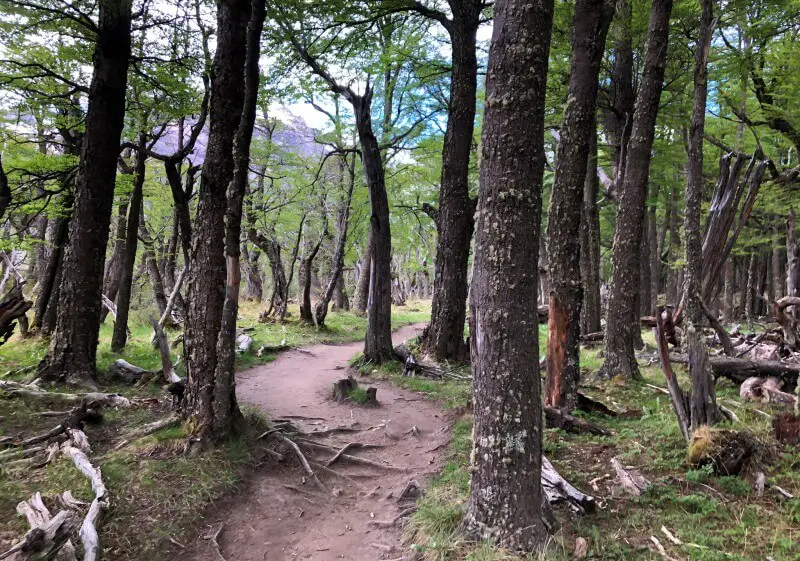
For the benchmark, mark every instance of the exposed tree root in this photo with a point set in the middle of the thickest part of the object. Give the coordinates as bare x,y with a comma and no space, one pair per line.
303,462
147,430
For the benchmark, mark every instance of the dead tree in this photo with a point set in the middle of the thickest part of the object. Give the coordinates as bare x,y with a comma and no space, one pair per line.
788,321
13,306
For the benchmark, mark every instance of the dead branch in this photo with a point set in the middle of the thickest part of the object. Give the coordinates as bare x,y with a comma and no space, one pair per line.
37,515
679,402
557,419
88,531
44,542
167,368
141,432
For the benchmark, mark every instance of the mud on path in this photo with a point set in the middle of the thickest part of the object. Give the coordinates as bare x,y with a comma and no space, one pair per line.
278,517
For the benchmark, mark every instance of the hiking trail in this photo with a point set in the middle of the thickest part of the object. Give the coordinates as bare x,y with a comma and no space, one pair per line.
280,514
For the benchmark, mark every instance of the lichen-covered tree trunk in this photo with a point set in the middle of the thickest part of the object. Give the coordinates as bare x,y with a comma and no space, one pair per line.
703,406
123,298
73,346
591,310
444,338
619,120
505,501
621,321
113,269
48,284
226,410
728,310
207,270
254,288
590,26
654,259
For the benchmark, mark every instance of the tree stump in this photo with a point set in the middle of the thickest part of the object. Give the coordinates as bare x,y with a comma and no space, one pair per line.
343,388
727,451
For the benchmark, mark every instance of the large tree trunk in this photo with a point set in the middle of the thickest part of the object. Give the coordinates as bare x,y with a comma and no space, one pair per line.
590,26
591,310
674,285
337,261
505,501
123,300
621,323
653,260
209,403
444,338
703,404
304,278
226,410
73,347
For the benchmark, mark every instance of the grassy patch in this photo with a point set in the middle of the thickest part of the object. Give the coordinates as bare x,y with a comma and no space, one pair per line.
715,518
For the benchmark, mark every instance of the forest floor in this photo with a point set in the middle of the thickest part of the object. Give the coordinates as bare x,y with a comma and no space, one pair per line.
156,490
164,503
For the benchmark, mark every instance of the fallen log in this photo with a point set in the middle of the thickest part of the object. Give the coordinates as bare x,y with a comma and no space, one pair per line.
33,395
559,490
738,370
126,372
629,478
765,390
36,513
558,419
88,531
44,542
243,343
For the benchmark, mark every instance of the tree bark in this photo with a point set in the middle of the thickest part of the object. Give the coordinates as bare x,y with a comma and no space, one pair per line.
505,501
123,300
304,277
73,347
653,260
226,410
591,310
730,276
150,264
50,281
254,288
703,407
337,261
362,286
113,269
210,404
792,259
620,320
619,119
444,338
590,26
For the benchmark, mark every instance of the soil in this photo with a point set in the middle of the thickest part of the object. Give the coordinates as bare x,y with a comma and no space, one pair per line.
281,514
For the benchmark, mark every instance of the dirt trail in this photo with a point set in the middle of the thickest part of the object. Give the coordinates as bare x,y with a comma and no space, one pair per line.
273,522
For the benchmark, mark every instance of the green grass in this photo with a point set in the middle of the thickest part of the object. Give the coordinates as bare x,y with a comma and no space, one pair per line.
716,518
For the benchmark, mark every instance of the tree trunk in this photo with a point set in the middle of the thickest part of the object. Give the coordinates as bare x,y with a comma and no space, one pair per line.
113,269
444,338
703,404
591,311
621,323
73,347
226,410
207,278
123,301
150,264
619,120
727,305
48,288
653,260
254,289
674,286
792,259
337,261
505,501
304,277
590,26
776,272
362,286
340,300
